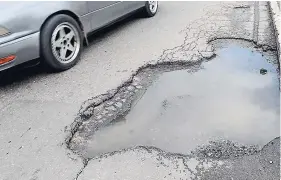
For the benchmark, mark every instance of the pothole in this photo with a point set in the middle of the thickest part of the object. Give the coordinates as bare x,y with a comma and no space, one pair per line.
179,107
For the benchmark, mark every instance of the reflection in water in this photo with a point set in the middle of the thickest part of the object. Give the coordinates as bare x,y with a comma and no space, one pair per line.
228,99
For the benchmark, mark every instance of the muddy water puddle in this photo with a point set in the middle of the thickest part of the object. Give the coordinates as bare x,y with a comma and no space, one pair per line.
234,96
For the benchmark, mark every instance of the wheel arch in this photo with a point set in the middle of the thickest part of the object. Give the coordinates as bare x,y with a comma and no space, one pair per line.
69,13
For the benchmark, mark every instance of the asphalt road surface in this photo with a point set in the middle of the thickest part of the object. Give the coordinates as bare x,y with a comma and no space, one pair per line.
40,112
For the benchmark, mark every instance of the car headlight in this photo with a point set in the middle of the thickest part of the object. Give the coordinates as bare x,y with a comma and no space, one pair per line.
4,31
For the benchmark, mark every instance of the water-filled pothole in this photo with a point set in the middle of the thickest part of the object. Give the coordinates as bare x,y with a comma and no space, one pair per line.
228,98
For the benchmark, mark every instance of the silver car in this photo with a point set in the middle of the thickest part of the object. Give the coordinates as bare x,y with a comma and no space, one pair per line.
55,31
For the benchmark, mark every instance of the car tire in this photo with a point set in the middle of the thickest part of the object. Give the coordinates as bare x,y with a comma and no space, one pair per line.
61,42
150,8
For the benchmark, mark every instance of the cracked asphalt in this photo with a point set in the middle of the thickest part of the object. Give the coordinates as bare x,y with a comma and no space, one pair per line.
47,119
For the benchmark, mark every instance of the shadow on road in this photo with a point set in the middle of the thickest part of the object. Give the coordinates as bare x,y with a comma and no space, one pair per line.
20,73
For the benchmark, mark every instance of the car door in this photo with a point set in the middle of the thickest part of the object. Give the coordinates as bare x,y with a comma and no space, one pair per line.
97,5
103,13
100,12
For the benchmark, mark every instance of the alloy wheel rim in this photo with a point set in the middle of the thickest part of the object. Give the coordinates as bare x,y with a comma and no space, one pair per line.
65,42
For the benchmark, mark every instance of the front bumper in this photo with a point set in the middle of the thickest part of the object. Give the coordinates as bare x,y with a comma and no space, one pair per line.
25,49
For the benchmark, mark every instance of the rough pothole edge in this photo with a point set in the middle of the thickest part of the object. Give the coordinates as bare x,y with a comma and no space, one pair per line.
87,110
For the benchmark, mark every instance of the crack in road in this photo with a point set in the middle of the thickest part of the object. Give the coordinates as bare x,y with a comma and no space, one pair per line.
85,163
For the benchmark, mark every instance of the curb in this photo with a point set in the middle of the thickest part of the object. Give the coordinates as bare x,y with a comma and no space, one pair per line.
275,13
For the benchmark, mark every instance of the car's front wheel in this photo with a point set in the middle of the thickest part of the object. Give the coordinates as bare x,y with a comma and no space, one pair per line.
61,42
